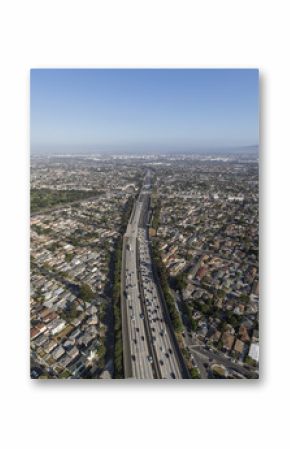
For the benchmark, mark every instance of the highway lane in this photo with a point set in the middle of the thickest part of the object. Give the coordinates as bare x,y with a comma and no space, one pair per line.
160,334
139,351
150,346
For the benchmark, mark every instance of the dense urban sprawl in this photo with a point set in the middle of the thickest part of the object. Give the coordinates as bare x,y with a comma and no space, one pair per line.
204,234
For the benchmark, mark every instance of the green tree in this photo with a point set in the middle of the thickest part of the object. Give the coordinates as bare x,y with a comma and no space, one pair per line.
194,373
180,281
86,293
69,257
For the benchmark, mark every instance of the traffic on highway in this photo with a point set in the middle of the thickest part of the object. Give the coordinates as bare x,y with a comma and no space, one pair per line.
149,351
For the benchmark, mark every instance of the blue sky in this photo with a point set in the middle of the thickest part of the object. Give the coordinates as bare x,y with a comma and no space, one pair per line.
140,110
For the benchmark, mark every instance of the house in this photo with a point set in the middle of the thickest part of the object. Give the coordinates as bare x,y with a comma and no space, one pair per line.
73,353
201,273
49,317
49,346
255,336
254,352
228,340
56,326
65,361
216,336
244,334
93,320
58,352
37,330
239,347
239,309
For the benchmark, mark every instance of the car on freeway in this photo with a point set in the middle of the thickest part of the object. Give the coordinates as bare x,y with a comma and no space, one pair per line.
172,375
150,359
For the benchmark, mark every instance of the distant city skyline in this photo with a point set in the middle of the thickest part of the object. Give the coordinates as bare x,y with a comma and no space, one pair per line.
144,110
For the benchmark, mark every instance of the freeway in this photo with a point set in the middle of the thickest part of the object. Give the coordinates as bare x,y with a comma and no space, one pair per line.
148,344
167,361
140,365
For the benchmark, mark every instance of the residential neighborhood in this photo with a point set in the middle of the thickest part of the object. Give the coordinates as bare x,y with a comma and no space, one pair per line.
203,220
206,226
71,252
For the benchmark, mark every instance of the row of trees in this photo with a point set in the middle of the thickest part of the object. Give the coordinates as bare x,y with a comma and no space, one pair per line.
126,213
163,279
156,206
188,311
116,295
178,283
116,292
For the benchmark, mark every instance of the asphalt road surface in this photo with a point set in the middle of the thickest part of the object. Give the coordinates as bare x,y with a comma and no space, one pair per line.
148,343
216,357
160,335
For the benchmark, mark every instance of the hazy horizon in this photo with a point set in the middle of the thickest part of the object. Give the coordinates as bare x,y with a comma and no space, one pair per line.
78,149
144,110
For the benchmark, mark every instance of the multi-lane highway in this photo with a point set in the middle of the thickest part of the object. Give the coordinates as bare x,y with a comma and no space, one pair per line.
166,359
148,344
